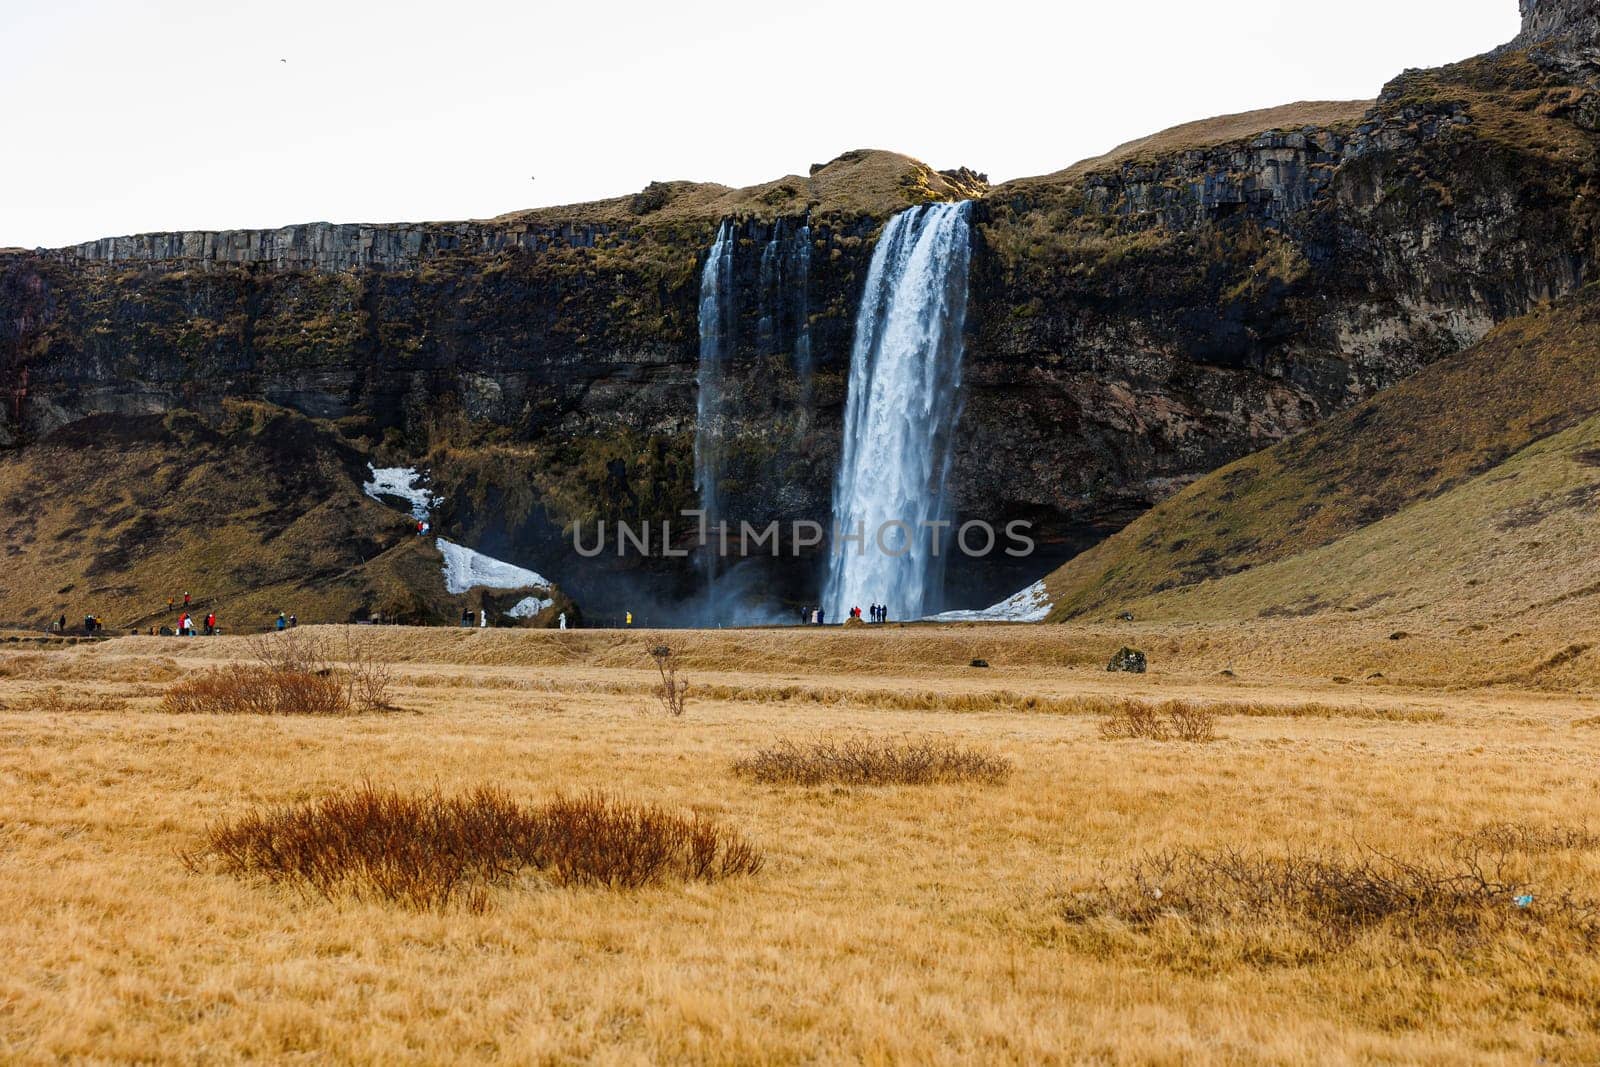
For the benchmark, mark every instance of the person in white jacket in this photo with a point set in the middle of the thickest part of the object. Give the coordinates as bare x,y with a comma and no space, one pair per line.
483,619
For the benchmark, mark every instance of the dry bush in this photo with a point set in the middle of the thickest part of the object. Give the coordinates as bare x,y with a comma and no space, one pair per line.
257,690
1509,837
1180,720
292,675
859,761
594,840
1458,900
673,692
57,700
368,680
289,652
426,850
1191,721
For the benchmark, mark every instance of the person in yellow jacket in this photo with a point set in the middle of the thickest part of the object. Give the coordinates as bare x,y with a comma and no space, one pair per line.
630,618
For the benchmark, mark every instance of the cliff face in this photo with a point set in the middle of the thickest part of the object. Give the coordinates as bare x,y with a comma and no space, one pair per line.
1135,322
1566,23
1179,307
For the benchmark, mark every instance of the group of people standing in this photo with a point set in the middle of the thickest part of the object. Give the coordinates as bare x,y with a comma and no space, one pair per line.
186,624
819,616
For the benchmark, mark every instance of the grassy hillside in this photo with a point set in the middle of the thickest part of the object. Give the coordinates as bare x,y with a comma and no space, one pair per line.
1342,115
257,512
1472,482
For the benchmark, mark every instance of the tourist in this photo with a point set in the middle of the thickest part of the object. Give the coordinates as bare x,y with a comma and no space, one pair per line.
628,618
211,624
561,620
185,598
483,619
283,621
293,622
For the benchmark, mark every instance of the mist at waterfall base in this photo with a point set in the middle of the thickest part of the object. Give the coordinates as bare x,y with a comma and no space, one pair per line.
901,414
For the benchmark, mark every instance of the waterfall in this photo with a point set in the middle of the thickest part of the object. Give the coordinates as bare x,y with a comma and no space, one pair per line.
716,344
800,272
771,292
900,416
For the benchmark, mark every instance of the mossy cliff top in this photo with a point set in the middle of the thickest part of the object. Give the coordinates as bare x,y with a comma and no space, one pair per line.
859,185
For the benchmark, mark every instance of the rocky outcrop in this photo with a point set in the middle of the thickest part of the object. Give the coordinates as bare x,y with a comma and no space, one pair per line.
1571,23
325,246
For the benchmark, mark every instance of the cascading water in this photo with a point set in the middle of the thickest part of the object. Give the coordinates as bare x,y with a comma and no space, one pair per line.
771,294
800,275
716,343
900,416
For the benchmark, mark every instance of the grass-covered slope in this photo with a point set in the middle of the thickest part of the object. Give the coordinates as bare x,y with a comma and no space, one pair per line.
255,512
1240,128
1472,480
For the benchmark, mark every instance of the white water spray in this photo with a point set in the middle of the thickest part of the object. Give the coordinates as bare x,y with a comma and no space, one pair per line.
900,417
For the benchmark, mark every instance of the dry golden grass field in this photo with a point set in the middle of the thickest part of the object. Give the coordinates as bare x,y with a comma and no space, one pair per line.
963,922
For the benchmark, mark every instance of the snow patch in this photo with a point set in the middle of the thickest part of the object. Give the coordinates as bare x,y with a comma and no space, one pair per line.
1030,605
400,482
527,609
465,569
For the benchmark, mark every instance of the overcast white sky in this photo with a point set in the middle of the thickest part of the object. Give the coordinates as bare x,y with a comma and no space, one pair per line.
123,117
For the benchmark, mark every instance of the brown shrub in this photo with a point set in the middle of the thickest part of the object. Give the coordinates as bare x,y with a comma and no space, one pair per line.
1191,721
593,840
1334,898
858,761
292,675
425,850
257,690
1509,837
57,700
1180,720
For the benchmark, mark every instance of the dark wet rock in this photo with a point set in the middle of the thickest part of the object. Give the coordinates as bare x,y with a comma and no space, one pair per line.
1128,660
